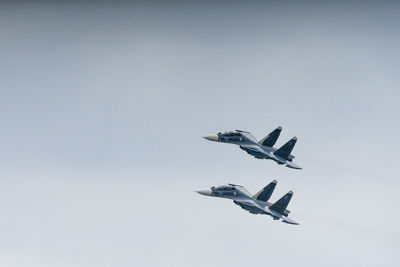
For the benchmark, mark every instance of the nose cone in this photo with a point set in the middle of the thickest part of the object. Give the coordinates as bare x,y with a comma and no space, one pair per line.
212,137
206,192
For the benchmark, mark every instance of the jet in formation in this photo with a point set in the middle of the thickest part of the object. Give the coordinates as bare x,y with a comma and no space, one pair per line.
257,204
262,149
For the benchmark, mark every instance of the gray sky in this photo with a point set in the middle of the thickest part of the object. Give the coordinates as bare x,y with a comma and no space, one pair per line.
104,105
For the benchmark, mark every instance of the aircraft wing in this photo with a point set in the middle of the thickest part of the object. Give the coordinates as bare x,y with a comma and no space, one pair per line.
255,151
250,205
254,207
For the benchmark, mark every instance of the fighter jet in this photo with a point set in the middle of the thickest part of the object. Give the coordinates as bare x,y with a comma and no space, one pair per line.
257,204
262,149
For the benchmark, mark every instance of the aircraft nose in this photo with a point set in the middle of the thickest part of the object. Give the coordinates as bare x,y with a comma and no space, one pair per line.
206,192
212,137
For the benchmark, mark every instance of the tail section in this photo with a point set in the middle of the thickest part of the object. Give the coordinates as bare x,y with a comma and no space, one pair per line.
266,192
285,150
271,138
281,205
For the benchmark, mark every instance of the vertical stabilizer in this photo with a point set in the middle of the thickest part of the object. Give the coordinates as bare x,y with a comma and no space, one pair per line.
285,150
281,205
271,138
266,192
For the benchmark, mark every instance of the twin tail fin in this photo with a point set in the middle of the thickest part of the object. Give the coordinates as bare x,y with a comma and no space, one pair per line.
266,192
271,138
281,205
285,150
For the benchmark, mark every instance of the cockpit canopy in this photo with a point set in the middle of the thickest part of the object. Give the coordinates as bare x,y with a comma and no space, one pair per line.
224,188
230,133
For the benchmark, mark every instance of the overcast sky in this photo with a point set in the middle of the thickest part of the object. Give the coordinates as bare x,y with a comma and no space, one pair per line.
103,107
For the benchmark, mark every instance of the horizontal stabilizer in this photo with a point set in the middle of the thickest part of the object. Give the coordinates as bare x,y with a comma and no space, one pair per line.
266,192
289,221
281,205
285,150
271,138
